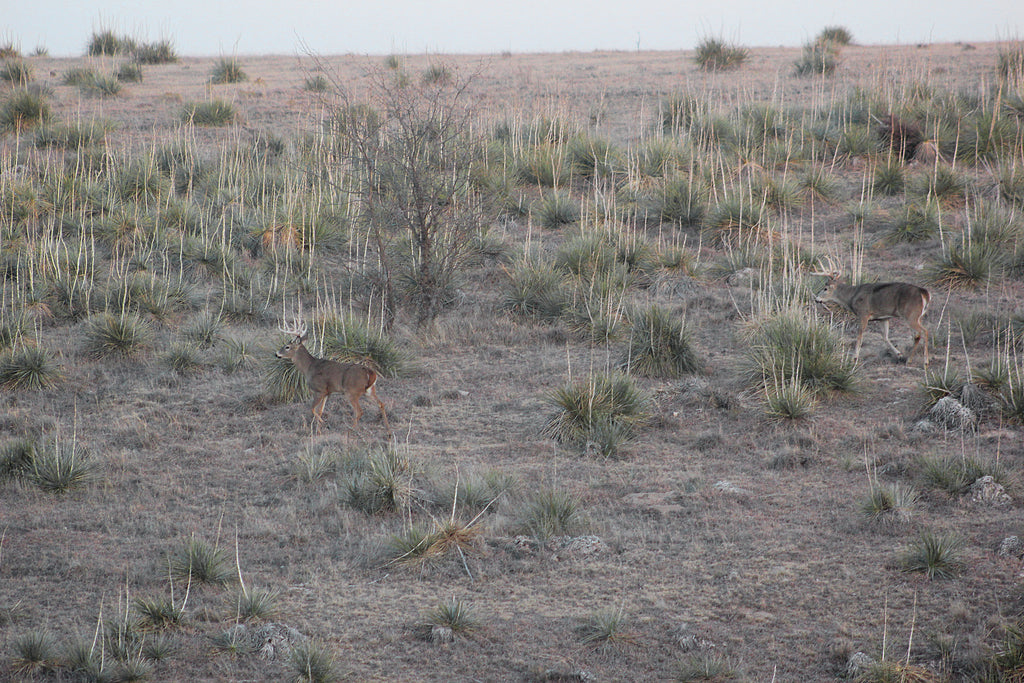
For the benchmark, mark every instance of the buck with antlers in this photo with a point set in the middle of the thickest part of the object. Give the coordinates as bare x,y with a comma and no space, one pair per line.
326,377
879,301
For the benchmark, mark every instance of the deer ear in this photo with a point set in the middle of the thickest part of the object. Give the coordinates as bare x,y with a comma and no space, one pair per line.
302,337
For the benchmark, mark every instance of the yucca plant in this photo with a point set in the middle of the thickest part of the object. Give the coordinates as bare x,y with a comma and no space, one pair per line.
283,381
17,458
317,83
61,466
607,629
940,383
1011,397
919,223
33,651
129,73
125,335
890,503
792,345
837,35
16,72
228,70
550,512
384,485
205,330
888,179
601,398
315,463
944,184
183,358
28,367
157,613
738,217
660,345
160,52
966,264
103,85
536,290
200,562
106,42
593,157
555,210
23,109
437,74
788,399
210,113
348,339
253,604
85,656
312,662
237,354
159,646
820,58
955,474
544,165
451,618
714,54
936,555
683,201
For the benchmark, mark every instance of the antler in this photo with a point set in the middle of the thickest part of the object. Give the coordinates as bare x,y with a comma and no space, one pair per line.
297,326
834,270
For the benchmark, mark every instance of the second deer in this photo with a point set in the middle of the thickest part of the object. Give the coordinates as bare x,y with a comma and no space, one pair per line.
879,301
326,377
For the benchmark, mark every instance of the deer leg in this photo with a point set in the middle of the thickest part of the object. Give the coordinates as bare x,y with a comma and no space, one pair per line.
380,403
354,400
318,410
885,334
920,333
860,337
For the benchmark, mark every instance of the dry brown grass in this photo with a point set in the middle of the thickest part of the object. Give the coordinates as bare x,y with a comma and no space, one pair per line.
770,570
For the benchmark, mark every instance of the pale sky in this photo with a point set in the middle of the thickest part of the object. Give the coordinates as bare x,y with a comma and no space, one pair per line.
381,27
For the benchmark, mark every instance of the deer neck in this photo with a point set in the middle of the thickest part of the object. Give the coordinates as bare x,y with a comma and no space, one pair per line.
303,359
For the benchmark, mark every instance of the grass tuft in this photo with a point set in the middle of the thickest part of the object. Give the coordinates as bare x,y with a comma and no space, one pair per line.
28,367
937,556
200,562
660,346
601,399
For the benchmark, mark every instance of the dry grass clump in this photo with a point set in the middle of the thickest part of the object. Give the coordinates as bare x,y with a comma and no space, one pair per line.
660,346
603,400
715,54
790,345
24,108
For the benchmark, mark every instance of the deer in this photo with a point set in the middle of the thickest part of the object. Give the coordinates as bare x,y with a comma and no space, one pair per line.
879,301
326,377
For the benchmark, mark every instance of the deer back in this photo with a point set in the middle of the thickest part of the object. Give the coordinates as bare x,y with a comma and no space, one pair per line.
335,376
879,301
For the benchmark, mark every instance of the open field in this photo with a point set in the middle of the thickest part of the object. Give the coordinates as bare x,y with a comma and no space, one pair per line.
708,531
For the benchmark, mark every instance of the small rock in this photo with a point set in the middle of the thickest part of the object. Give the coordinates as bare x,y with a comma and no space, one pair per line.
441,635
729,487
987,491
858,664
951,414
1011,546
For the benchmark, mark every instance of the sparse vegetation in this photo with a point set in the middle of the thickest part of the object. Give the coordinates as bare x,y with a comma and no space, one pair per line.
698,435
